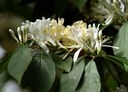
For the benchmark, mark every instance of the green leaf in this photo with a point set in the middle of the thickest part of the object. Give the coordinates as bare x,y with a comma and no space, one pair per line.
126,67
117,60
120,61
114,61
121,41
69,81
4,62
91,79
112,71
80,3
41,72
19,62
65,64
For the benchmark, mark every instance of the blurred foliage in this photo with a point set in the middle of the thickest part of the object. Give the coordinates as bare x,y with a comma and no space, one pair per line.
113,77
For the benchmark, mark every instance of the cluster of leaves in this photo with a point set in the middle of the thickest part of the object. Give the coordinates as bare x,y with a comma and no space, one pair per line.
43,72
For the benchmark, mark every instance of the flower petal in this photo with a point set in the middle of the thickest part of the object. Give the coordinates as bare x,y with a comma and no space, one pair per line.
76,54
13,35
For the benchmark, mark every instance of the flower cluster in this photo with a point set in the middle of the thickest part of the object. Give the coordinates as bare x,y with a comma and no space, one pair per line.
49,32
110,11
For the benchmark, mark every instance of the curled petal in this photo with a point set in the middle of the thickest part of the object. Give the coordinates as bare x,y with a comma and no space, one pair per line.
76,54
44,47
110,46
13,35
19,34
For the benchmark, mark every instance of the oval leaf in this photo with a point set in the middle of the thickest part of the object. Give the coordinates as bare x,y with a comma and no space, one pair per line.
41,73
69,81
91,79
19,62
121,41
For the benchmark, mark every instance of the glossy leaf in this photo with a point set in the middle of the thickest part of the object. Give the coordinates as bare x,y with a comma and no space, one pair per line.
121,41
41,72
19,62
69,81
91,79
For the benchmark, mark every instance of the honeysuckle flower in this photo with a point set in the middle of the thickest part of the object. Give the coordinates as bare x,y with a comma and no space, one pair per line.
67,39
38,31
46,32
110,11
106,11
22,34
89,38
56,31
74,34
50,32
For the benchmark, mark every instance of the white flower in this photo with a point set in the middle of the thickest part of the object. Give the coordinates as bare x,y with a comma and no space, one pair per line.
46,32
110,11
77,37
22,34
38,32
88,38
56,31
